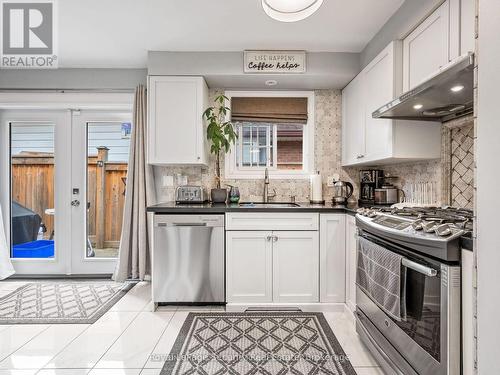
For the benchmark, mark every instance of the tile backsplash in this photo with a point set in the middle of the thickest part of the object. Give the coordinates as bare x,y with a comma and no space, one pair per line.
452,175
462,166
328,110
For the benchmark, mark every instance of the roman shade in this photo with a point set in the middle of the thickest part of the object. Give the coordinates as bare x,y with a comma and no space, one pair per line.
263,109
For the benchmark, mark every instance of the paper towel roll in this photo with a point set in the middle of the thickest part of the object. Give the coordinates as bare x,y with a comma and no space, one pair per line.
316,188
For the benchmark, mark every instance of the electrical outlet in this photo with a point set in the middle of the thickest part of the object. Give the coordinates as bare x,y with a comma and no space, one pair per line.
168,181
331,179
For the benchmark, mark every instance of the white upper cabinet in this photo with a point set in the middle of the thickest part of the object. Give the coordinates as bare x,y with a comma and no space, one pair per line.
427,48
176,131
353,132
380,85
369,141
442,37
467,26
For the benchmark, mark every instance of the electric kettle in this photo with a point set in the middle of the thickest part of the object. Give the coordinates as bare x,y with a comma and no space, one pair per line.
342,190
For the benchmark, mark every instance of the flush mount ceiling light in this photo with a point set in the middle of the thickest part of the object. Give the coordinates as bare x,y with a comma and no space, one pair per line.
290,10
418,106
457,88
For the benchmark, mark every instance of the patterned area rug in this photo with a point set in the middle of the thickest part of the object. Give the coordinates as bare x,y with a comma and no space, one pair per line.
61,302
257,343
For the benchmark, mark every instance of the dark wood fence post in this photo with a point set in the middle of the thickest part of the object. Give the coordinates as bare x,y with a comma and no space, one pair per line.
102,158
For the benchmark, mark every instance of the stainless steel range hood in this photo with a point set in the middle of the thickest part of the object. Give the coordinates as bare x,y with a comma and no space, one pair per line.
443,97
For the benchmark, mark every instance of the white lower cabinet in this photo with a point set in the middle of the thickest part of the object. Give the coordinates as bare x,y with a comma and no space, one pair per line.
351,261
303,265
266,267
295,266
332,258
249,267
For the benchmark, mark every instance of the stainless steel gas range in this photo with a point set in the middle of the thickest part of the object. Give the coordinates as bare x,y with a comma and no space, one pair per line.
427,341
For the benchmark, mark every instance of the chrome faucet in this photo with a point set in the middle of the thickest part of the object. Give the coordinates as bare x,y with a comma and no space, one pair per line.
266,188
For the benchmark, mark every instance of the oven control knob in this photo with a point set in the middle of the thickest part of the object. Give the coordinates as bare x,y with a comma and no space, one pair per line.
429,226
417,224
443,230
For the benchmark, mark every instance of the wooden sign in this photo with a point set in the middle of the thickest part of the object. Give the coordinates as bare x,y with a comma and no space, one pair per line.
274,62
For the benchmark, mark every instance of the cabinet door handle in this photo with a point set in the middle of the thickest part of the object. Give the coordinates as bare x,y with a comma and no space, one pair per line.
268,238
275,238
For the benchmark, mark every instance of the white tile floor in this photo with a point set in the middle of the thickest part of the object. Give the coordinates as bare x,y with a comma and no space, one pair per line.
127,340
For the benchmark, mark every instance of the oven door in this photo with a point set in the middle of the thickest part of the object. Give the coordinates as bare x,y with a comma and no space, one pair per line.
429,338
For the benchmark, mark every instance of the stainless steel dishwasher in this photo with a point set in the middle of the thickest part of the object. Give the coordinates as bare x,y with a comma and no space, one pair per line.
188,259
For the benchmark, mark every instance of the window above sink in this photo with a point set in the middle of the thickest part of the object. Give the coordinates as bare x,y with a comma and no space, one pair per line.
275,131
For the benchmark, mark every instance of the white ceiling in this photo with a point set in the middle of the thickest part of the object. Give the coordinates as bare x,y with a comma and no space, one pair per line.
118,33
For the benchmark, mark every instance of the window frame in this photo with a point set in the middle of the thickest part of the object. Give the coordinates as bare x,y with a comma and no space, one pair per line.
231,170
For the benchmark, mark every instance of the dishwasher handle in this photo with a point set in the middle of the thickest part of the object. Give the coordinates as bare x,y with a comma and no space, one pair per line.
165,221
189,224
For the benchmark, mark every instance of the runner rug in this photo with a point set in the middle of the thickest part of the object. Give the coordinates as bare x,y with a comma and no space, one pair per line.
61,301
257,343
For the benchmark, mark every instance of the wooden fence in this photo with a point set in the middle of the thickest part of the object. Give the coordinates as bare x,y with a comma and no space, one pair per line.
33,187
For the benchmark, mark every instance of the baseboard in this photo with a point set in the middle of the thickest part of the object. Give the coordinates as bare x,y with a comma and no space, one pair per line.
305,307
350,310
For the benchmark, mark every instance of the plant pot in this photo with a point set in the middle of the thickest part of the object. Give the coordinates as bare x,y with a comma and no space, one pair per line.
218,195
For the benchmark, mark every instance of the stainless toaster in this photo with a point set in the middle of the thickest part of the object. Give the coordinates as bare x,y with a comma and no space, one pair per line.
187,194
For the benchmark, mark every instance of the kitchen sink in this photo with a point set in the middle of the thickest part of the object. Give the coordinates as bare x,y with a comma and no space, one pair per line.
268,205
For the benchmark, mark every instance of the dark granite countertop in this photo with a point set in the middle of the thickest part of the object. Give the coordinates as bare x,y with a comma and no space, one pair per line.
466,242
208,208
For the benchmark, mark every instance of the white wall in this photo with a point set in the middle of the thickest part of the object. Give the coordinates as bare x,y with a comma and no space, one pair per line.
488,186
72,78
325,70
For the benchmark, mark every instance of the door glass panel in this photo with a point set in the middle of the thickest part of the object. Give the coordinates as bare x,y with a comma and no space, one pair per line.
32,189
107,161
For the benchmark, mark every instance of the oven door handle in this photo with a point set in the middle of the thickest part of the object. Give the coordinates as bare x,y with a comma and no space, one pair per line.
427,271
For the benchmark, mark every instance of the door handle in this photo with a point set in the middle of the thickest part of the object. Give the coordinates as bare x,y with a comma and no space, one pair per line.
275,238
427,271
75,203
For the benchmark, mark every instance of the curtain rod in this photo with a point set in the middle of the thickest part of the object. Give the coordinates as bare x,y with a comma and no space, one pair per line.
62,91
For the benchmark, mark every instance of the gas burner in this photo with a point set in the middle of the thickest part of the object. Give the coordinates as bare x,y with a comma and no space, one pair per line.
438,221
459,218
435,231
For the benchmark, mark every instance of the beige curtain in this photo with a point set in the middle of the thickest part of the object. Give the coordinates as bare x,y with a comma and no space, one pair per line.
134,259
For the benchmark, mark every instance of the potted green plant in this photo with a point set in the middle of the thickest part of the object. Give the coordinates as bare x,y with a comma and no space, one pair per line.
221,134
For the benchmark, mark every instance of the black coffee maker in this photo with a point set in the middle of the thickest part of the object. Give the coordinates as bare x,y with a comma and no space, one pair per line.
369,180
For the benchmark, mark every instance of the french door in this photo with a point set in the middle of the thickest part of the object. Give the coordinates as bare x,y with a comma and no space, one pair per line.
66,176
99,179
